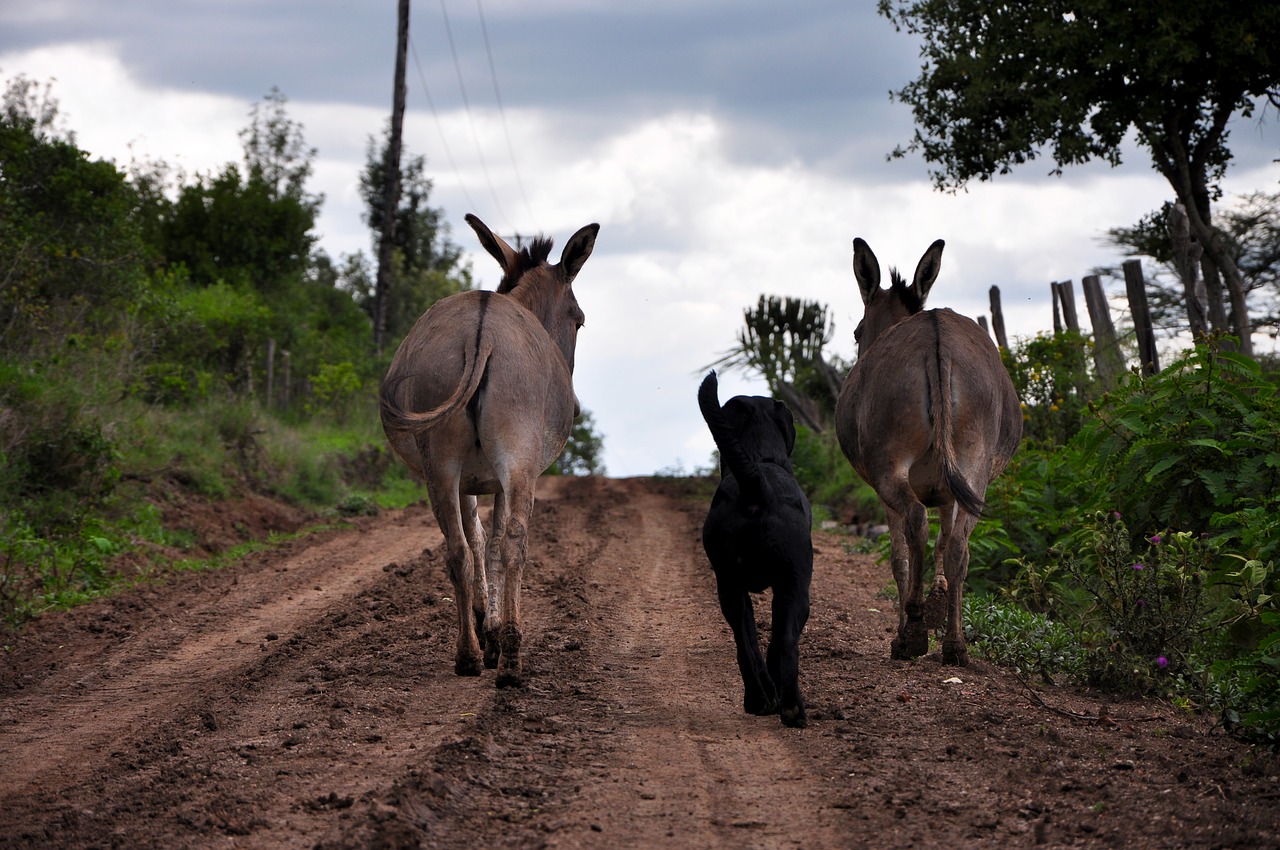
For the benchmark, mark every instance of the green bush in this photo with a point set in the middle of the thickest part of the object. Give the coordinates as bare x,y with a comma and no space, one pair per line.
1053,379
1189,457
1174,449
829,481
1010,635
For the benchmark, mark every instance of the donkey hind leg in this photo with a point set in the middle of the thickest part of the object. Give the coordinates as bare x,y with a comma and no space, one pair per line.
497,581
517,497
790,613
954,650
908,532
935,604
462,566
759,695
474,530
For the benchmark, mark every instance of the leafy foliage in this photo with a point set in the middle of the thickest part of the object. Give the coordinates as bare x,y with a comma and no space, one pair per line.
583,454
1053,378
425,261
162,333
1174,472
1199,438
1003,82
71,253
829,481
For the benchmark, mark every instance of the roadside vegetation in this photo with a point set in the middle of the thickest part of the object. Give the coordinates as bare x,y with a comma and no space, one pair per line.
165,337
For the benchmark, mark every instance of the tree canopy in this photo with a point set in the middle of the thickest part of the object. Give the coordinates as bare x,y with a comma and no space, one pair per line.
1006,82
426,263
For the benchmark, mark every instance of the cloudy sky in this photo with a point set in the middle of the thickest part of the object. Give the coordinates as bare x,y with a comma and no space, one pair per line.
728,148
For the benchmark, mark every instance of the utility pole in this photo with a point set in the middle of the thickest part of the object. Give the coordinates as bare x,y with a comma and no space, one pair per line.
391,187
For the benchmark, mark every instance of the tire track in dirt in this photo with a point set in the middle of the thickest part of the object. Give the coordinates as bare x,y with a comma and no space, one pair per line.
86,711
351,730
692,762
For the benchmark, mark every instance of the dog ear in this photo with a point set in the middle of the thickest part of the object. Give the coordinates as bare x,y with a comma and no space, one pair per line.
786,424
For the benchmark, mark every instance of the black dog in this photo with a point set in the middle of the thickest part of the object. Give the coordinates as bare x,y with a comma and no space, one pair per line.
757,536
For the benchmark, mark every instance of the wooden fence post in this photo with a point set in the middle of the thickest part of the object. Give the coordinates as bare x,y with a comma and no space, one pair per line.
1057,311
997,318
1136,287
1107,358
271,373
1065,295
286,394
982,323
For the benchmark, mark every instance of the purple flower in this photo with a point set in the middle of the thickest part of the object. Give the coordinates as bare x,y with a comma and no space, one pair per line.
1139,566
1141,602
1115,514
1162,662
1155,539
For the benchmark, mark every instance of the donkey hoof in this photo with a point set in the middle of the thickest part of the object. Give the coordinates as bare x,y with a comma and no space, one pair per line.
955,653
469,666
491,650
935,608
510,679
912,641
908,649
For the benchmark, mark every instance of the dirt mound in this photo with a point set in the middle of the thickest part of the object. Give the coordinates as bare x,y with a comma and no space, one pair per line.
305,698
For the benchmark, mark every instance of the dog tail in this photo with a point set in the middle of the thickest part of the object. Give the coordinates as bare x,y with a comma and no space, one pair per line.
747,473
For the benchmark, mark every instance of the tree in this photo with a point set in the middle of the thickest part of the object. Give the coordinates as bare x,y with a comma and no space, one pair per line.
425,263
71,253
1004,81
1251,229
276,153
227,227
782,340
250,228
582,454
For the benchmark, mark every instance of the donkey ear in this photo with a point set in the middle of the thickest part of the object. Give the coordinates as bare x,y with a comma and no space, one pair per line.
576,251
493,243
866,269
927,270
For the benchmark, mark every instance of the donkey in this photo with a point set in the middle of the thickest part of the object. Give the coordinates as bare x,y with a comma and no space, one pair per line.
479,399
928,417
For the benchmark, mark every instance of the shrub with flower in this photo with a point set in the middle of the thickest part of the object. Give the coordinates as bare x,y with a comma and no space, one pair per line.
1148,611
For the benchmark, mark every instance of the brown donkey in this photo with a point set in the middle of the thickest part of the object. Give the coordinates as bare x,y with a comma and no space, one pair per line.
928,417
479,399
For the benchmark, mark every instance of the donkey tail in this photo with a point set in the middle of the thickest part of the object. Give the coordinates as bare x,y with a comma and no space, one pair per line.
396,419
943,428
747,472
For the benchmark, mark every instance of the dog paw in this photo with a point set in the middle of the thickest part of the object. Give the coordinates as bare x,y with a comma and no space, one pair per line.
794,717
760,706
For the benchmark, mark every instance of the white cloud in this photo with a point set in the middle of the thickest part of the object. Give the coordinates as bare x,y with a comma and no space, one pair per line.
691,231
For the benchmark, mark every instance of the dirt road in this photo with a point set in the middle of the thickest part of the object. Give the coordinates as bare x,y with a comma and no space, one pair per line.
306,698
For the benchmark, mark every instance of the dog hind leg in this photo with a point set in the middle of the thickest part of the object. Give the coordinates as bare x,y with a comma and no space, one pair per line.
759,694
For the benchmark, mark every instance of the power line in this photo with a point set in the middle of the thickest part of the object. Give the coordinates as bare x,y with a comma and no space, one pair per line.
440,127
466,103
497,94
